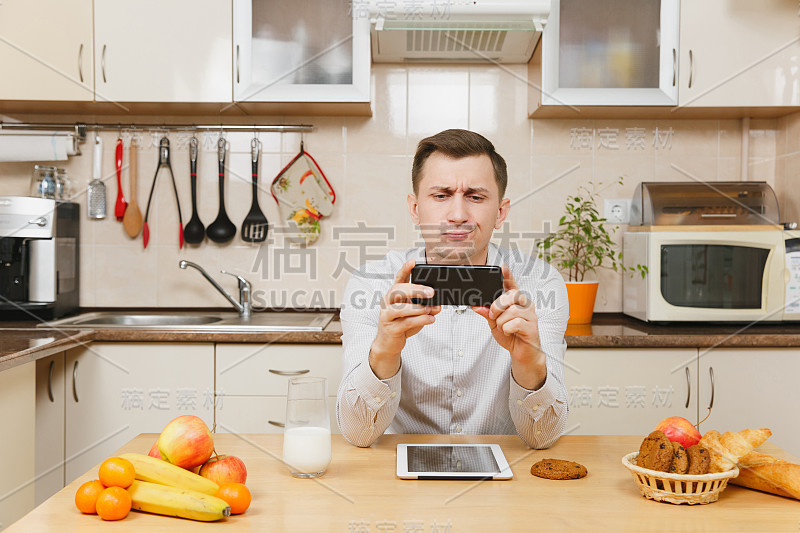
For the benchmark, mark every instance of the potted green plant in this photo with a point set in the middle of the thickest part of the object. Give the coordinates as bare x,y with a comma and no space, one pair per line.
581,244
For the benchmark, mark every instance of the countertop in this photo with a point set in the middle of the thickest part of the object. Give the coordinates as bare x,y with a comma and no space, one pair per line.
21,342
360,492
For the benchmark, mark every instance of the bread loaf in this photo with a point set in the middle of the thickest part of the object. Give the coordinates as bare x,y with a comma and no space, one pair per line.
763,472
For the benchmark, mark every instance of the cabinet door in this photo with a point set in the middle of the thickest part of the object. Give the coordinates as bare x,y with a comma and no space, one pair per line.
49,426
749,59
154,51
46,50
752,388
117,390
628,391
300,51
616,52
259,414
17,418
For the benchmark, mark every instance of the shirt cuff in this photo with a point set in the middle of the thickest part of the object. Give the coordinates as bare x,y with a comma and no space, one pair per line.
373,391
534,403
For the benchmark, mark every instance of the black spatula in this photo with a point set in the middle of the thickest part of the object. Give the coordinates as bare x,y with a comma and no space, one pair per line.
255,225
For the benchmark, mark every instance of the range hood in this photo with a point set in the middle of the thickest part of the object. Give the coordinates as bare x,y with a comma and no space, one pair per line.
474,31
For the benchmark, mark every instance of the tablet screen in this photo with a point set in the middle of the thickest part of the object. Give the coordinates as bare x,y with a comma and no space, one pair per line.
451,459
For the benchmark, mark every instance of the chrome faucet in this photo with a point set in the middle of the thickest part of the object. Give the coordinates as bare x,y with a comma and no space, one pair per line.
244,305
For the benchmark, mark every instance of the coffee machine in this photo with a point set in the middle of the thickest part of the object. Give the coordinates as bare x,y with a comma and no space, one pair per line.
39,273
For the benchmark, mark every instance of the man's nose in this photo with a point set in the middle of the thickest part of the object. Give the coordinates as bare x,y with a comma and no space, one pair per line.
459,212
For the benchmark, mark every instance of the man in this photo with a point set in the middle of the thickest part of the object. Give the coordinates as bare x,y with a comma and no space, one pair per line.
411,368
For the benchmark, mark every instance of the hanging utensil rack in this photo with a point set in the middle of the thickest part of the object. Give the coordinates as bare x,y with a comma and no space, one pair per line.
79,129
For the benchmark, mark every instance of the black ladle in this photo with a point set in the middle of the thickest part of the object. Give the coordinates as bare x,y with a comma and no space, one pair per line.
195,231
222,229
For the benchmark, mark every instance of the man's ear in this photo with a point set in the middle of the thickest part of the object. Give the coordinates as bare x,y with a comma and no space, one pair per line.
411,201
502,212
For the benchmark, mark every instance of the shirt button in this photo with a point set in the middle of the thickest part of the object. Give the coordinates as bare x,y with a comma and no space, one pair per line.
461,353
459,311
378,399
535,407
458,464
519,402
393,394
458,392
458,429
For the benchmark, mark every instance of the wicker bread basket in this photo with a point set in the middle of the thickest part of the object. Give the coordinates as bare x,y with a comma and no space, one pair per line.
678,488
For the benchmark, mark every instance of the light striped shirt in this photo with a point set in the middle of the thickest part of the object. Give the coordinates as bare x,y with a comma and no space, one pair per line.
454,377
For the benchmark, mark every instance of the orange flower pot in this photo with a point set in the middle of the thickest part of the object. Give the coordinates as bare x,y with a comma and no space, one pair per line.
581,301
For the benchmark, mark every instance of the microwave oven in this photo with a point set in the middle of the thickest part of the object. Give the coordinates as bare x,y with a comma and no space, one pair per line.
728,274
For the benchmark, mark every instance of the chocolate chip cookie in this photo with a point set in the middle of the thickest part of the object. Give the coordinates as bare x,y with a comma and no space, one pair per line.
680,460
699,460
656,452
558,469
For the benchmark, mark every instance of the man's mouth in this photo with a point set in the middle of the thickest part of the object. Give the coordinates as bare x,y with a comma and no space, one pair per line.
457,235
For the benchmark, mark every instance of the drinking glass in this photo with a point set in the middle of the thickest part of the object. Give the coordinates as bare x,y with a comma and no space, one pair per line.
307,436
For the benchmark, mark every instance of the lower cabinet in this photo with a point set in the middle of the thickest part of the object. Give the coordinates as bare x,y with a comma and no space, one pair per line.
752,388
114,391
49,449
628,391
17,418
252,382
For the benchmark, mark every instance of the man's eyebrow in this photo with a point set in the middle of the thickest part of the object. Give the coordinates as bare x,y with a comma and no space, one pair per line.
471,190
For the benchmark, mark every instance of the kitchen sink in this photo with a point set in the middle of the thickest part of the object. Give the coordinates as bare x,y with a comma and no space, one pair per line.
202,321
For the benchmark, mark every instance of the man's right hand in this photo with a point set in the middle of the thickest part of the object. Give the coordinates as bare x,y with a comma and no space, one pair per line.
398,320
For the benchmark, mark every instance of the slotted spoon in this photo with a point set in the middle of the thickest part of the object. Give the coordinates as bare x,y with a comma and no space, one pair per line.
255,225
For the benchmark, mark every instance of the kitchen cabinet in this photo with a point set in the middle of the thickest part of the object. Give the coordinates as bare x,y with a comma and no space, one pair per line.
612,53
114,391
750,59
49,444
153,51
628,391
752,388
252,382
300,51
46,50
17,418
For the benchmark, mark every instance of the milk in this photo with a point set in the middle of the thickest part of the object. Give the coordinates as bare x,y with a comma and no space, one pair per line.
307,450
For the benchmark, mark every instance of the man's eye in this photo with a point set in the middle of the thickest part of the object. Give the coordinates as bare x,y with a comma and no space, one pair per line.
476,198
440,196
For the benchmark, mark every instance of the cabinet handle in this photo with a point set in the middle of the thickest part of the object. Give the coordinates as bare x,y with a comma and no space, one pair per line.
80,63
688,388
674,66
711,375
279,424
50,382
288,372
237,63
75,382
691,68
103,64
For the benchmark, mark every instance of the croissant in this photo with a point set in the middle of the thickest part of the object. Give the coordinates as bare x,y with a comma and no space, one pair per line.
727,449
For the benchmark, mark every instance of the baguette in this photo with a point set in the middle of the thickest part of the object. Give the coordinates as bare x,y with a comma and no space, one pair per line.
763,472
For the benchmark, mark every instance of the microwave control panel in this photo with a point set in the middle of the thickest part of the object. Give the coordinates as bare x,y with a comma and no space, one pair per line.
792,305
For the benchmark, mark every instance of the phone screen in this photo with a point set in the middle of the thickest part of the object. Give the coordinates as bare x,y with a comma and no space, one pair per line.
477,286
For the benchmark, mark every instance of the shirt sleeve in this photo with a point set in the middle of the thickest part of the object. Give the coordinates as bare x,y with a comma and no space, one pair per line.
365,405
540,416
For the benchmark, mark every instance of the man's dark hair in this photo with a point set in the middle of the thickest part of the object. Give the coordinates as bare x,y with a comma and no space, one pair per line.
458,144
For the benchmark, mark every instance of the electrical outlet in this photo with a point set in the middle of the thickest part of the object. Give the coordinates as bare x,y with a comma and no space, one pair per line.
617,210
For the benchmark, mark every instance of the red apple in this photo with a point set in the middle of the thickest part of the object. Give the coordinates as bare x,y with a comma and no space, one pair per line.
186,442
680,430
224,469
154,451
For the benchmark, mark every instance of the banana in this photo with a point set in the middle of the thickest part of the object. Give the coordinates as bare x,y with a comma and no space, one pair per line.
158,471
172,501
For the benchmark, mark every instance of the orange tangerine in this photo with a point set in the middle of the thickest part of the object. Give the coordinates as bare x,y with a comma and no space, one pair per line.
117,472
114,503
236,495
86,497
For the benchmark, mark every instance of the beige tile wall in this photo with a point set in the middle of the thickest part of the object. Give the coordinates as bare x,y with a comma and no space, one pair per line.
368,160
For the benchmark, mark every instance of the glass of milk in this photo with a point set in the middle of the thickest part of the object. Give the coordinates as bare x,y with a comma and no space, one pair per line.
307,437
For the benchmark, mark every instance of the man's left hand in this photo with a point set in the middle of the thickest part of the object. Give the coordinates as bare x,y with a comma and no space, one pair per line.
515,326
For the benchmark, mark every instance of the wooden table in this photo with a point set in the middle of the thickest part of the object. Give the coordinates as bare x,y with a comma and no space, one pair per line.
360,493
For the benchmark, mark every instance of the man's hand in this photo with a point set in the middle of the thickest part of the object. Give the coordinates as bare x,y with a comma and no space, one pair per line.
515,326
398,320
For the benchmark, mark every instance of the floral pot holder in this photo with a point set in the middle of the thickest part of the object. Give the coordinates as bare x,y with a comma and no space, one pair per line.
304,196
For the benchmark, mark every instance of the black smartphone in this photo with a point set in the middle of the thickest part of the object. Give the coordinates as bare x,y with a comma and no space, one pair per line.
477,286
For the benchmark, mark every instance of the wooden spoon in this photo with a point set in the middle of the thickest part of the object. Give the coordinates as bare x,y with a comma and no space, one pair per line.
132,220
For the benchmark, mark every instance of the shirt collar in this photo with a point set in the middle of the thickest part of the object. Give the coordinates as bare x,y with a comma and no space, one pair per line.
494,255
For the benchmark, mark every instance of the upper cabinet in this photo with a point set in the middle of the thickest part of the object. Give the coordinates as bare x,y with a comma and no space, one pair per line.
46,50
610,53
750,59
156,51
299,51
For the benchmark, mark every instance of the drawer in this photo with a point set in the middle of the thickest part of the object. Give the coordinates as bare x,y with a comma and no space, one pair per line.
259,414
264,370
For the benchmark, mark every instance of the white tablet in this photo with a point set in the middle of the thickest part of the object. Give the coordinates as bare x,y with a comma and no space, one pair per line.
452,461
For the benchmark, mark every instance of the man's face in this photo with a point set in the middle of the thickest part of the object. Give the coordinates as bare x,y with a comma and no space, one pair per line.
457,207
